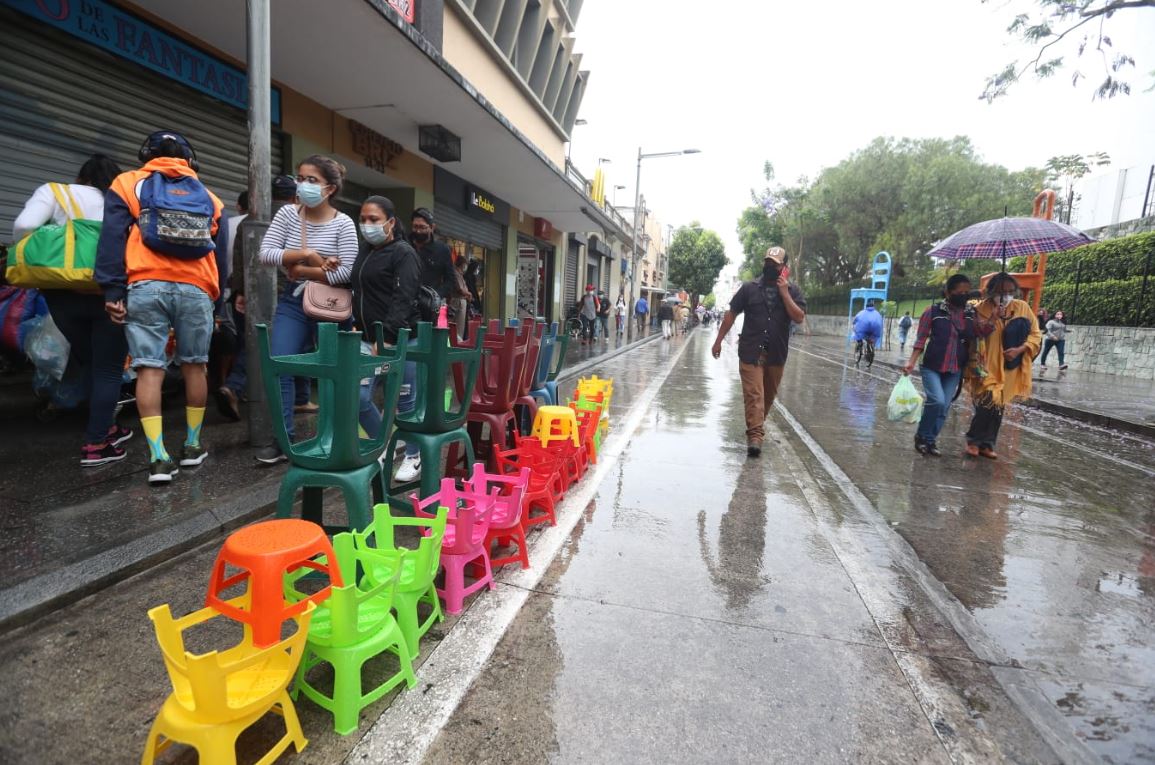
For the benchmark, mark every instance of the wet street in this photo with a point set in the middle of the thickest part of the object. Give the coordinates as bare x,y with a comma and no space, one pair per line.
843,599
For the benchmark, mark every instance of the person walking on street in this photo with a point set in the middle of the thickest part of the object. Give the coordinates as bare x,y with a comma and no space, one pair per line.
770,304
666,317
641,311
588,313
604,310
620,313
904,325
1044,316
96,343
1056,338
946,335
1010,340
160,278
311,242
437,269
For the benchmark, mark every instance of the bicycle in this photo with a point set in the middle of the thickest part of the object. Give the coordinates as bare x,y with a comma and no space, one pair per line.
859,350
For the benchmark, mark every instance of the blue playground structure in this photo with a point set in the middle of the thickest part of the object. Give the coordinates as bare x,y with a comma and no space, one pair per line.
877,291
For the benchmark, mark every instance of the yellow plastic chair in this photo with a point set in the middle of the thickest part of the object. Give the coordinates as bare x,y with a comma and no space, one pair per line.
217,695
556,423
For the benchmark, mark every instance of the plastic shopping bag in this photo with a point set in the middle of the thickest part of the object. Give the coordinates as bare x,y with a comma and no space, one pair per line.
47,347
905,402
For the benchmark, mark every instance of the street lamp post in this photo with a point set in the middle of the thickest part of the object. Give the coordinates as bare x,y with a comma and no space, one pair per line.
634,291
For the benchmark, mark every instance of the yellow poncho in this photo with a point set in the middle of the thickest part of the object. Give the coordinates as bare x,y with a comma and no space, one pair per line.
1002,386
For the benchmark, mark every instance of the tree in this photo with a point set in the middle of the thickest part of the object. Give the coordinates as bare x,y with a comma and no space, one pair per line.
1068,168
710,301
1058,27
697,256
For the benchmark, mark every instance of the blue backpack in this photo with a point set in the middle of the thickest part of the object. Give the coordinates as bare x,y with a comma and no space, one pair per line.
176,216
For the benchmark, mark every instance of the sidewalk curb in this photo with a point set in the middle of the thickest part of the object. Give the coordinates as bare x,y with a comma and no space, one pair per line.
1082,415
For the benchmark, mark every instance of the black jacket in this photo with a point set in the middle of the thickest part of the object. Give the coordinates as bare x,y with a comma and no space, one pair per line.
385,281
437,270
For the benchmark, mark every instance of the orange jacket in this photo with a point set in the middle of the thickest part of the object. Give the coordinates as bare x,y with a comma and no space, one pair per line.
122,258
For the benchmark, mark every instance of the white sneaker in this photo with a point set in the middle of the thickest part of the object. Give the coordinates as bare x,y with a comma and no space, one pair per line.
1042,367
410,469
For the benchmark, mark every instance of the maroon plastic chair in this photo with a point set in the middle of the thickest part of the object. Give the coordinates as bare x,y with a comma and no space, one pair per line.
499,380
525,399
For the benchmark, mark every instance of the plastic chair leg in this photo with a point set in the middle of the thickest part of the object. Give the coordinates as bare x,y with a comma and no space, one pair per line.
346,693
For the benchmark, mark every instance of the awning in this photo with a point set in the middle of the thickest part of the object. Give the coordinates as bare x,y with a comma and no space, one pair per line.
359,58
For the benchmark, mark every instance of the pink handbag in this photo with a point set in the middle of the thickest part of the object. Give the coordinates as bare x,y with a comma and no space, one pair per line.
324,302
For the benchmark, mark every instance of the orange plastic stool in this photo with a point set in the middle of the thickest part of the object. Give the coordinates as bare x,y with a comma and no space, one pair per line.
265,552
555,423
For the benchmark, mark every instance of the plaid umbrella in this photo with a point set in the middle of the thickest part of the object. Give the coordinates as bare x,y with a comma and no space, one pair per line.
1009,237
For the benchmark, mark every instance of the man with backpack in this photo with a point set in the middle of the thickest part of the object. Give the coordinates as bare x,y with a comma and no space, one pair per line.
904,325
155,263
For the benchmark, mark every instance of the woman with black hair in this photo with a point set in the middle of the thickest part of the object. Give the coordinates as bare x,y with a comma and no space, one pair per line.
1002,369
97,345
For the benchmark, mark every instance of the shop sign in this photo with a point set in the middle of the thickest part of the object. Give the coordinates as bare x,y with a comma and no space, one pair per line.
542,228
106,26
405,7
378,151
478,201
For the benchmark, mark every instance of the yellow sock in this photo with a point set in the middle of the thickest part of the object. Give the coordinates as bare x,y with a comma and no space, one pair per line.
195,417
154,434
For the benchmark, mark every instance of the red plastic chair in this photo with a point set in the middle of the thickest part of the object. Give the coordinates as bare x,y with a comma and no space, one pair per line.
265,552
546,486
464,542
588,424
507,523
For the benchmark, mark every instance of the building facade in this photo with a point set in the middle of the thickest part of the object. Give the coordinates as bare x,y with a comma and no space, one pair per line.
460,106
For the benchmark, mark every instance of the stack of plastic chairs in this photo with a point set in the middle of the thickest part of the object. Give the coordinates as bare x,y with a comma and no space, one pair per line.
547,485
464,543
337,456
555,362
507,524
499,383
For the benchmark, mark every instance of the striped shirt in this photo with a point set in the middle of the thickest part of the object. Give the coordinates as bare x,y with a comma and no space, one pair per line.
335,238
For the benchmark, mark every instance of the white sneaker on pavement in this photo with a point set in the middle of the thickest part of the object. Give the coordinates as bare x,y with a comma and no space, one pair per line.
410,469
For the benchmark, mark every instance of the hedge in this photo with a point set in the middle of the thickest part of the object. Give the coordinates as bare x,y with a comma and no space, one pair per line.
1114,302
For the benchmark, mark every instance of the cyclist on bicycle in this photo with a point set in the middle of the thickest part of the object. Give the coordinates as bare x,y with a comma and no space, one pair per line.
868,325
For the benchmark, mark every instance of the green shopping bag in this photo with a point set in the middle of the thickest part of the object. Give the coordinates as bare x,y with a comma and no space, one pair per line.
905,402
55,257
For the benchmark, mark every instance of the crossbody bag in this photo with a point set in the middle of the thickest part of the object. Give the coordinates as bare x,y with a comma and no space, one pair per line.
321,301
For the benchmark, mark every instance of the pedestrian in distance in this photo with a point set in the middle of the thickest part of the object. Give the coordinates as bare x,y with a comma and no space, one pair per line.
770,303
946,336
437,267
96,343
666,317
1044,316
386,278
904,325
588,313
620,313
309,241
604,310
1056,338
1002,372
641,311
159,273
459,305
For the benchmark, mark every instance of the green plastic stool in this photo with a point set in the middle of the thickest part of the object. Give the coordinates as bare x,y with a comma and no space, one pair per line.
361,488
352,626
430,446
381,558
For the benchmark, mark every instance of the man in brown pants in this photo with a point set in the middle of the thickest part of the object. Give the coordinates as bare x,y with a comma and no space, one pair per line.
770,303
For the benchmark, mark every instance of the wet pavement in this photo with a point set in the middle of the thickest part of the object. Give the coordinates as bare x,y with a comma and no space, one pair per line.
69,530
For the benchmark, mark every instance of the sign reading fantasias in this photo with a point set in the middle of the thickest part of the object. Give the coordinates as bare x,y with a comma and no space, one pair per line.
377,150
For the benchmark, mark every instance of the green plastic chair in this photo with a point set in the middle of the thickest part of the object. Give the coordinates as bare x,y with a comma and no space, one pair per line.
352,626
434,423
337,456
382,558
556,365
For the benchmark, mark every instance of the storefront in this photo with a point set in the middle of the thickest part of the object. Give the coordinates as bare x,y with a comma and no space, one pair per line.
473,223
535,265
84,78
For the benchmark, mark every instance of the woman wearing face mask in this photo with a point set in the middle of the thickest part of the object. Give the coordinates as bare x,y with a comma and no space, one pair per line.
946,334
1057,339
326,255
1002,372
385,280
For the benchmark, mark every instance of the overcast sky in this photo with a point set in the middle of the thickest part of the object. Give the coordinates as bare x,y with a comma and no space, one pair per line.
803,84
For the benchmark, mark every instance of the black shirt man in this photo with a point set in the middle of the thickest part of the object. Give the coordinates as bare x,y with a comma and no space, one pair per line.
436,258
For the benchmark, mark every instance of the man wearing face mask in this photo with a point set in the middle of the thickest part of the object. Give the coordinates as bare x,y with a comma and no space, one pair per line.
436,259
770,304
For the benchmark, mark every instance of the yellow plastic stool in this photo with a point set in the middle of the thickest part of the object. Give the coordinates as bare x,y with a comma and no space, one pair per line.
555,423
217,695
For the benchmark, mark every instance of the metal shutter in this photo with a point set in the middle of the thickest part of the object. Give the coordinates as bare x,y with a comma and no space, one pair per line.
62,100
458,225
606,265
569,285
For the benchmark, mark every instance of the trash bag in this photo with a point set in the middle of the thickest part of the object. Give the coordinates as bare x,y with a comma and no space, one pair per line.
47,347
905,402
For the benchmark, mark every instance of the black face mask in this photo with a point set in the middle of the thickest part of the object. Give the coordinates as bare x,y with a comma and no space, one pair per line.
422,237
770,273
958,301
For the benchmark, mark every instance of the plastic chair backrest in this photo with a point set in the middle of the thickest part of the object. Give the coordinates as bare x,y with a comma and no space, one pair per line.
468,510
880,271
201,681
545,356
338,366
558,357
532,356
426,556
439,364
510,490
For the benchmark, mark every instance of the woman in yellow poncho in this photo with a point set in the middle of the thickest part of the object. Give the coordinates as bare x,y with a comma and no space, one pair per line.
1002,369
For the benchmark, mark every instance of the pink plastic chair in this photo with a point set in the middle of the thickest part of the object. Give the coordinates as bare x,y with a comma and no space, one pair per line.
507,522
464,541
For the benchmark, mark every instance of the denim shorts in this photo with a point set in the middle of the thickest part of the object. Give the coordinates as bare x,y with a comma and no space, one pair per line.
155,307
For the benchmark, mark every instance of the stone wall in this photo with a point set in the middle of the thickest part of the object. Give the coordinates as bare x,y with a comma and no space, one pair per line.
1126,228
1126,351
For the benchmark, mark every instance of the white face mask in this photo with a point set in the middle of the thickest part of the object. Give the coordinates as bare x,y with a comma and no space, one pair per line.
1005,300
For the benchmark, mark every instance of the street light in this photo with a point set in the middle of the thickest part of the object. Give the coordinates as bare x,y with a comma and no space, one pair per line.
614,196
638,204
569,143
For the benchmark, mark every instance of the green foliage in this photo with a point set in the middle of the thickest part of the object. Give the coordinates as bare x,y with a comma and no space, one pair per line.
1114,302
697,256
710,301
1059,29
